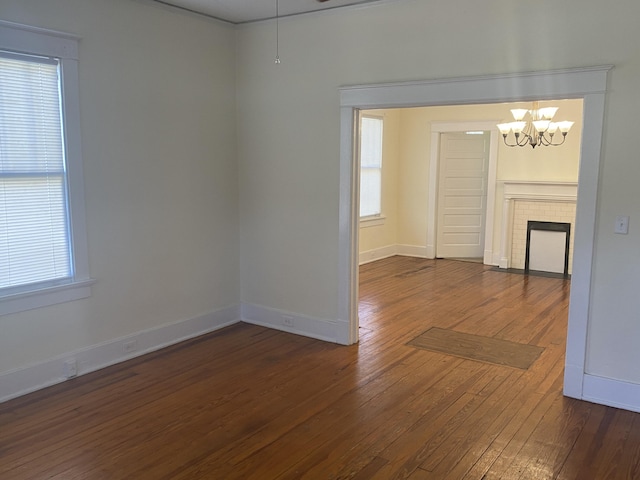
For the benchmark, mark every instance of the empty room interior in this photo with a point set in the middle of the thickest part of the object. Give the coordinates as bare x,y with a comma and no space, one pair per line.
282,239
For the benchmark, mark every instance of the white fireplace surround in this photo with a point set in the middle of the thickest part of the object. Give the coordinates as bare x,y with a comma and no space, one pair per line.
559,192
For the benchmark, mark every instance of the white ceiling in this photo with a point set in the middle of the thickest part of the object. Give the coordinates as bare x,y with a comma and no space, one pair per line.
243,11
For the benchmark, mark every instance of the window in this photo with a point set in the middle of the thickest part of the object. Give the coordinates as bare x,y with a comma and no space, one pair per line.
370,166
42,229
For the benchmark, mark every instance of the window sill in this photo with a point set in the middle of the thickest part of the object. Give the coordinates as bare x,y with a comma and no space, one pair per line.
372,221
19,302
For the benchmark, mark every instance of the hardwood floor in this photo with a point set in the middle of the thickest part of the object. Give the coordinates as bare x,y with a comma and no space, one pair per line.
251,403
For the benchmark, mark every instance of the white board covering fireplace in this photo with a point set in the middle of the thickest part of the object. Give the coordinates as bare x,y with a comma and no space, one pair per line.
533,201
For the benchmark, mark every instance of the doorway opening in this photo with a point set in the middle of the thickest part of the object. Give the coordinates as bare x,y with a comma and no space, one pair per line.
441,189
588,84
461,204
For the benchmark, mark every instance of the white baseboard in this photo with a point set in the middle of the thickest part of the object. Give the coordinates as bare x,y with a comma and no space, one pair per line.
573,381
321,329
611,392
377,254
430,251
413,251
391,250
29,379
490,259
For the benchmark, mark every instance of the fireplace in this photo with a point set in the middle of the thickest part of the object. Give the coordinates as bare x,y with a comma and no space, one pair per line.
534,201
546,250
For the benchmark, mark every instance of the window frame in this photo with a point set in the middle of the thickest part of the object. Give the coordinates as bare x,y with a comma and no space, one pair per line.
376,218
28,40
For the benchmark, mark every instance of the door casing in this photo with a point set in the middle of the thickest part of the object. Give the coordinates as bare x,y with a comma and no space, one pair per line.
590,84
438,128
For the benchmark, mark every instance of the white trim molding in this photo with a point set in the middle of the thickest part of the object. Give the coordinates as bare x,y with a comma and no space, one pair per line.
49,43
611,392
374,254
15,383
372,221
417,251
437,128
589,84
529,191
318,328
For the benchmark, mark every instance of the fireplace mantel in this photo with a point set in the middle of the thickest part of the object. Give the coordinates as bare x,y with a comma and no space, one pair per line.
553,192
549,191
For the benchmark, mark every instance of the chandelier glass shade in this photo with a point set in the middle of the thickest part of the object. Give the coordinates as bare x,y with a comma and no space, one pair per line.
538,129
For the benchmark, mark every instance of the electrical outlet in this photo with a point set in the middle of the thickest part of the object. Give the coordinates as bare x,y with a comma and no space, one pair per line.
130,346
287,321
70,368
622,224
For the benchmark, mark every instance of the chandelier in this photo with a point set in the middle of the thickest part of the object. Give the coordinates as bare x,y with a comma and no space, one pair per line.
538,130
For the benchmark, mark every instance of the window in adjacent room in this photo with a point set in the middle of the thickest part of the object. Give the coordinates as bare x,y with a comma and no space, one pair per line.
42,232
370,167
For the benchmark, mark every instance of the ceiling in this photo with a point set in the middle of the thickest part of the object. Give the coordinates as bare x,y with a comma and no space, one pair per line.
244,11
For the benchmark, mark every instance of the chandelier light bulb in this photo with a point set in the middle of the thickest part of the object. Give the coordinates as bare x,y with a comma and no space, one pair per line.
518,127
547,113
504,128
519,113
541,125
565,126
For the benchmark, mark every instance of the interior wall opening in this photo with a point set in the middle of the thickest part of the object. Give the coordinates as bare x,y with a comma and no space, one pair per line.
588,84
428,210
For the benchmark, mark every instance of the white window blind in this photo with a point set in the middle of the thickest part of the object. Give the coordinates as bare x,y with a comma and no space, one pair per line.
35,245
370,166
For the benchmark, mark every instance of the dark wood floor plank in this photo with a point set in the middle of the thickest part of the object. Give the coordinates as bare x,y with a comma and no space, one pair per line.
247,402
344,457
548,446
618,425
588,444
321,431
427,436
468,444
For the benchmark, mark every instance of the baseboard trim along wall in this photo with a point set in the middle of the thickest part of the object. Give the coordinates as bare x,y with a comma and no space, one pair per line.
413,251
377,254
417,251
611,392
59,369
318,328
391,250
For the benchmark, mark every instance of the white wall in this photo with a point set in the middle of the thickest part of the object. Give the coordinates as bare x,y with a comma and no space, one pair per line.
289,158
158,132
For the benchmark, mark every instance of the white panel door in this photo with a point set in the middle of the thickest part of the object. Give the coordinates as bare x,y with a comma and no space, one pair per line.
462,195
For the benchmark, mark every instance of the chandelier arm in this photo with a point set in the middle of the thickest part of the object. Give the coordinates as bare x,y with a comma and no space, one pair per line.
526,140
521,140
564,137
504,137
548,142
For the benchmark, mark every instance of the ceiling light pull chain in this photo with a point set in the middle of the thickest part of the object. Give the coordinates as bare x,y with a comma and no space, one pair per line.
277,61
